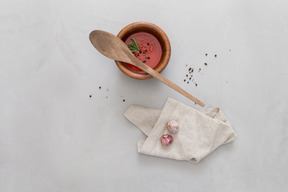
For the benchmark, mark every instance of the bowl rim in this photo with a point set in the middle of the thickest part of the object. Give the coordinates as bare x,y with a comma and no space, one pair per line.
165,54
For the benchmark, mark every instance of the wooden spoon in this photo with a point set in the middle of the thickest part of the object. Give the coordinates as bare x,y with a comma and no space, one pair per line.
114,48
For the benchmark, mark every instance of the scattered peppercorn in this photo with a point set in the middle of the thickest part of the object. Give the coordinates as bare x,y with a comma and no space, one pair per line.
206,54
196,84
205,64
148,57
123,100
186,75
137,54
100,87
140,51
148,44
144,61
90,96
215,55
190,78
145,50
184,80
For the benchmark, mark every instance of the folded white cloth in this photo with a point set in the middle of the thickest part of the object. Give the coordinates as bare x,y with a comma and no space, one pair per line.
199,134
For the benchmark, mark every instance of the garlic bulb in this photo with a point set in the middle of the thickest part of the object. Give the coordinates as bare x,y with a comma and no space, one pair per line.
166,139
173,126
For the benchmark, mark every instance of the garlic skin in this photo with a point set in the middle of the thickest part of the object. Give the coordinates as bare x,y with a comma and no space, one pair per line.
166,139
173,126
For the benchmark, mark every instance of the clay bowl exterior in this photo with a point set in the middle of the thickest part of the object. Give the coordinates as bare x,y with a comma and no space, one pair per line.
156,32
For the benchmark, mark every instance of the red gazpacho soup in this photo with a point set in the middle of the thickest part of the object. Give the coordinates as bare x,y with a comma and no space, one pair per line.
150,51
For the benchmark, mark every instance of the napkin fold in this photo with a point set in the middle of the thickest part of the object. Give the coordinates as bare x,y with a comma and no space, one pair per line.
199,134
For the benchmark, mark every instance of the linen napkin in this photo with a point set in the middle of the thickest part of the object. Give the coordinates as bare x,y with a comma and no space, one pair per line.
199,134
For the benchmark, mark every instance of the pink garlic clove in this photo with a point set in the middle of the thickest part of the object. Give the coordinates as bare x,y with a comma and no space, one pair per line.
173,126
166,139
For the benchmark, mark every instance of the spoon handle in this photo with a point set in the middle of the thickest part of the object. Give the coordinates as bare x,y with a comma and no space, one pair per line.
163,79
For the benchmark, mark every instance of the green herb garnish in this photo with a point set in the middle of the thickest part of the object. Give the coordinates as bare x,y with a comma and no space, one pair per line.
133,46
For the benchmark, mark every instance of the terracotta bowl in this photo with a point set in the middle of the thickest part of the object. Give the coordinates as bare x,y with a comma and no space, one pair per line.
156,32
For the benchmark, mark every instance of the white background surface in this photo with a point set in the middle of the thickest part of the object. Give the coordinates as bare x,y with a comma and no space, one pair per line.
53,137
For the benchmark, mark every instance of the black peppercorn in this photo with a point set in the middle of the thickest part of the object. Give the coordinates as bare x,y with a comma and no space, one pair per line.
144,61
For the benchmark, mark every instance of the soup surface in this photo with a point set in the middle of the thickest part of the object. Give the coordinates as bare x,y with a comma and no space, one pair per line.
150,50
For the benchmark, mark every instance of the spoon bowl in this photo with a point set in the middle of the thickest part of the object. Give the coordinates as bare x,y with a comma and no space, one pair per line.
112,49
